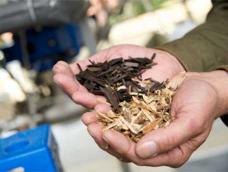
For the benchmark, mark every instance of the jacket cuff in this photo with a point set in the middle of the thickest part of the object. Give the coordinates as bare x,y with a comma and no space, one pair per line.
225,119
223,67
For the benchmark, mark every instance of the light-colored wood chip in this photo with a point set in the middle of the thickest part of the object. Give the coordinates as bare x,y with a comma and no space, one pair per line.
144,113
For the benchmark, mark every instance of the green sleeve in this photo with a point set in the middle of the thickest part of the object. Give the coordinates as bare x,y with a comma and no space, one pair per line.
206,47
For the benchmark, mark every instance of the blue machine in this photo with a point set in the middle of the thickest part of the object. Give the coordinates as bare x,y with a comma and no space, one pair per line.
46,45
34,150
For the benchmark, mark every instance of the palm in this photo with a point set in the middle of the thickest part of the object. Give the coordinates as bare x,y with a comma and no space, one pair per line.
64,74
194,108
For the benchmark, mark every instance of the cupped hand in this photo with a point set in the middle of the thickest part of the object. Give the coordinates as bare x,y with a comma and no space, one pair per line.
64,74
195,106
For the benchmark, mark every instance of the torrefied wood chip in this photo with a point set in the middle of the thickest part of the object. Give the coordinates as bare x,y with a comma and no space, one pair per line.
144,113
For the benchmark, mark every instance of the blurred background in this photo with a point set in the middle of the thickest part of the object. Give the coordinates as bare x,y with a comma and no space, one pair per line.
35,34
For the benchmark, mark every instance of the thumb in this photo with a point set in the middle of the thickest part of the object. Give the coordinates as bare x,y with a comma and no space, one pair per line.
165,139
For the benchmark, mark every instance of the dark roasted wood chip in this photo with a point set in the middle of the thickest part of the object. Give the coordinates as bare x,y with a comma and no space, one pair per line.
104,78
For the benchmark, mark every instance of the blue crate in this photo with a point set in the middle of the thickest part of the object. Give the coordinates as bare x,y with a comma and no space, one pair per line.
46,45
33,150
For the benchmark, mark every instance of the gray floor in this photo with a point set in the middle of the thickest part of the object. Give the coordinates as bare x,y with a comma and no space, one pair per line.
79,152
218,163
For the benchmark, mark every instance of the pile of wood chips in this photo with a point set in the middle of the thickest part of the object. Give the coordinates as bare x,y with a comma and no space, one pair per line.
142,114
138,106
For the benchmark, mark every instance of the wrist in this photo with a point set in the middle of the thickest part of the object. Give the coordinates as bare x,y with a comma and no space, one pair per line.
219,81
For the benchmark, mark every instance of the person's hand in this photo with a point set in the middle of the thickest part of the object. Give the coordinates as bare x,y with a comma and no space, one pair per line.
64,74
100,9
200,99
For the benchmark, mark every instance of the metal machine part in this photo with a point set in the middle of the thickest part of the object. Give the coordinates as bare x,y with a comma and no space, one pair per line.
44,46
17,14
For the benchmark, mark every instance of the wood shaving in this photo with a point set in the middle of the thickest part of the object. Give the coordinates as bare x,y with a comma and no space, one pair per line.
143,113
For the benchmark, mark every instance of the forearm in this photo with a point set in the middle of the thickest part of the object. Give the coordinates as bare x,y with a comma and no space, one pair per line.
204,48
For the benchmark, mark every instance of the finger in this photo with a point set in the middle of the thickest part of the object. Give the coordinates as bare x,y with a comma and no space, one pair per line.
165,139
173,158
89,118
67,84
75,91
103,107
96,131
178,155
86,99
102,100
91,11
62,67
121,145
119,157
64,77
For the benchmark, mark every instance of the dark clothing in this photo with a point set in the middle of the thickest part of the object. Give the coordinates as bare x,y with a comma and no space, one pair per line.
206,47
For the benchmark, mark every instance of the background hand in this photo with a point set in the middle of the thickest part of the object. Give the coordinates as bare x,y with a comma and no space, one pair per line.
195,106
64,74
101,8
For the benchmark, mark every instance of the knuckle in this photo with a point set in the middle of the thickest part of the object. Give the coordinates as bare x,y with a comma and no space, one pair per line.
195,125
167,144
178,159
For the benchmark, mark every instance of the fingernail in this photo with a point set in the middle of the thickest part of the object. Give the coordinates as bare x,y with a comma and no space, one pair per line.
147,149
